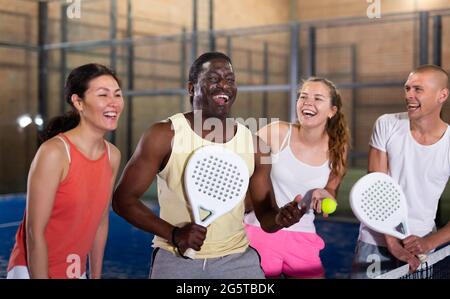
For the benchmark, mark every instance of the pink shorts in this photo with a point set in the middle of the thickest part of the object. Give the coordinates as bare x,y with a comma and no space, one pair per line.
295,254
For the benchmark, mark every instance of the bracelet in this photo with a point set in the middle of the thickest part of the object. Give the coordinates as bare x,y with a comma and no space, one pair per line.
173,236
176,244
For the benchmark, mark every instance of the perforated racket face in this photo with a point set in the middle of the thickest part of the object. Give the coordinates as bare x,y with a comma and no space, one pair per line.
216,180
378,201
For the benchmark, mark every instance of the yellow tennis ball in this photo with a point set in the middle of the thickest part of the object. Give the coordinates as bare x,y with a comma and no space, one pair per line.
328,205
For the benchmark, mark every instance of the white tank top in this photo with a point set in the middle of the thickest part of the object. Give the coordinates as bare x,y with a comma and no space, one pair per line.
291,177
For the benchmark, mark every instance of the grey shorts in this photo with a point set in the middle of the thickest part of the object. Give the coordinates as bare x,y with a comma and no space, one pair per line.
246,265
370,261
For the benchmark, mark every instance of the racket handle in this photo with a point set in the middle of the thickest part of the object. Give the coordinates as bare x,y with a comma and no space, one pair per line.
422,258
190,253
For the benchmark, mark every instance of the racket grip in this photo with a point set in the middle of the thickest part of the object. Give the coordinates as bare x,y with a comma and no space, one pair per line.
422,258
190,253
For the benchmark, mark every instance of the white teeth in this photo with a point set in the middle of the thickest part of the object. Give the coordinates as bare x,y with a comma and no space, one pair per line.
309,112
222,96
110,114
413,106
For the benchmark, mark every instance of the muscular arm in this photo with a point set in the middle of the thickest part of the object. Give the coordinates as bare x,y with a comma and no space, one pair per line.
150,156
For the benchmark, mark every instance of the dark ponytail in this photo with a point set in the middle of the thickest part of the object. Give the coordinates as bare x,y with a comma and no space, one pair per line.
60,124
77,83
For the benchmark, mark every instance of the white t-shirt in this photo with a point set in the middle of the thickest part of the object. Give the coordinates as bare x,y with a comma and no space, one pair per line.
421,170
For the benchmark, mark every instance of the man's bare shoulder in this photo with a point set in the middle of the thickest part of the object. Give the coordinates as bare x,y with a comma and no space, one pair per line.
162,129
156,138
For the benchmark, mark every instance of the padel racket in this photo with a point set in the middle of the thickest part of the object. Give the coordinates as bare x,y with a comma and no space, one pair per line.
379,202
306,200
215,181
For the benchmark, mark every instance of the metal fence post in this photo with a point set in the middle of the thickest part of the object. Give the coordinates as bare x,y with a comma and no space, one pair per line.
293,75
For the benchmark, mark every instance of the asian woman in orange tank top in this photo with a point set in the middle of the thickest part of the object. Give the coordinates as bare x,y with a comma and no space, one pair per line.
70,183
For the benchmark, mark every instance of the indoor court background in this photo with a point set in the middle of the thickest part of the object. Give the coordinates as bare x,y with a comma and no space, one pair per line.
151,44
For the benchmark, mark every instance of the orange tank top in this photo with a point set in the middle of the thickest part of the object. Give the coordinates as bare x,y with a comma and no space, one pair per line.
80,200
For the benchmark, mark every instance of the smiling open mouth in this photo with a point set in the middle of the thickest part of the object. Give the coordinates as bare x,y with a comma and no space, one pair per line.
110,115
308,113
221,99
413,106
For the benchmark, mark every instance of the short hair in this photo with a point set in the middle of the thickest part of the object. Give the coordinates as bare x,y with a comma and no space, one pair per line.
196,66
434,68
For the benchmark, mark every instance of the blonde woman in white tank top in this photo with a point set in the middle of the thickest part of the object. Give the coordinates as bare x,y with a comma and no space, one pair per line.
309,159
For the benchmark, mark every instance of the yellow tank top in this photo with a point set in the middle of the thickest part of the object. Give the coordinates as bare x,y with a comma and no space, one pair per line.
226,235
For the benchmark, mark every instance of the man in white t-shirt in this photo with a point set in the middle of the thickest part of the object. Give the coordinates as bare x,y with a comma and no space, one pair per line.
414,149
